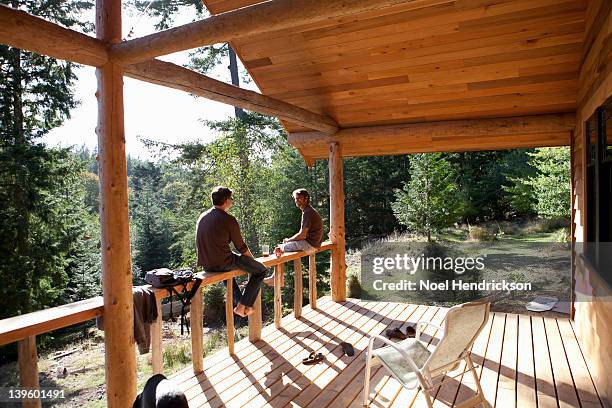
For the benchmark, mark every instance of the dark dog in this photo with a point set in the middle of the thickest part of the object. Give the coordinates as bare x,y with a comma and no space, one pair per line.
159,392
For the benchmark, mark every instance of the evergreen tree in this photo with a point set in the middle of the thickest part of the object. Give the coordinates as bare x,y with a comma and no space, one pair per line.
547,191
35,96
429,201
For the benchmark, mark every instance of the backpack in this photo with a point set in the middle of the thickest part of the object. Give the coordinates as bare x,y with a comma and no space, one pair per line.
168,279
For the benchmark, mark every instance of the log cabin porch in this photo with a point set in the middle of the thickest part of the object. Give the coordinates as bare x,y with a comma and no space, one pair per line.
358,78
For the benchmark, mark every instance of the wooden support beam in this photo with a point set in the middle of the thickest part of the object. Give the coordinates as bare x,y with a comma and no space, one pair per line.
28,369
114,220
336,223
445,136
312,281
177,77
260,18
196,319
27,32
298,289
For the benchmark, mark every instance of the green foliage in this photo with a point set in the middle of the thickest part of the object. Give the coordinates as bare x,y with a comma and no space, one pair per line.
481,177
429,201
41,189
547,191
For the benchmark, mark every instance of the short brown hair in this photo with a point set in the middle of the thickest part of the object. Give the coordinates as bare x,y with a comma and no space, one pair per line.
302,192
220,195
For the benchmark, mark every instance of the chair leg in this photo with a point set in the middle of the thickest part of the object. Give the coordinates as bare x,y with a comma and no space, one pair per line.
468,360
428,398
366,382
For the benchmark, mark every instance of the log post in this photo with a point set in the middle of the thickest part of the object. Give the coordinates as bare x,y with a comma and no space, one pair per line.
278,303
28,369
229,315
120,356
312,281
336,221
297,296
255,321
196,318
157,352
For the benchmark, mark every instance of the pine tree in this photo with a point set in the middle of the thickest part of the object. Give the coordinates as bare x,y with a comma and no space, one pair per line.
35,96
429,201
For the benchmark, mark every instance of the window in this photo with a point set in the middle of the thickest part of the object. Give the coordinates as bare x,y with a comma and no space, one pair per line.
598,135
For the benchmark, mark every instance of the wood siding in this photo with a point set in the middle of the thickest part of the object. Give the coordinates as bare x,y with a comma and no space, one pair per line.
592,318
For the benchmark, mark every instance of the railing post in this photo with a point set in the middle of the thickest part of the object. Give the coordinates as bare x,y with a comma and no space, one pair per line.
312,281
278,304
297,297
157,352
28,369
197,338
255,321
229,315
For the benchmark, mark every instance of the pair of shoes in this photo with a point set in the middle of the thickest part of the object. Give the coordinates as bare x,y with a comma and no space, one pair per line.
397,333
313,358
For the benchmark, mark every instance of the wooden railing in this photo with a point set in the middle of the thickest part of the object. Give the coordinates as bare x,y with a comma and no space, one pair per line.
24,328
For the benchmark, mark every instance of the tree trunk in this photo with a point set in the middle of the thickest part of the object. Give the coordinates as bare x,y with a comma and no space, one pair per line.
20,193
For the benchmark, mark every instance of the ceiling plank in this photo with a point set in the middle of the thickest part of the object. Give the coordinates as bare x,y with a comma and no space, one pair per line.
257,19
177,77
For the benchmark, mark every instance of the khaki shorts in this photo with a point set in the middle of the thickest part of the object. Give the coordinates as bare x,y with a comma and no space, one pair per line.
296,246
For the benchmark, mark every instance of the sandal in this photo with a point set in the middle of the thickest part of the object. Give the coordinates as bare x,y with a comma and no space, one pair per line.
313,358
396,333
347,348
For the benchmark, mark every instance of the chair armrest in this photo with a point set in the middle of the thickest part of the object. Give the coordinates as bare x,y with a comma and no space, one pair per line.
388,342
421,325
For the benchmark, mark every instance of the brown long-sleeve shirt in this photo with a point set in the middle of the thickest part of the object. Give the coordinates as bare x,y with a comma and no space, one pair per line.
214,232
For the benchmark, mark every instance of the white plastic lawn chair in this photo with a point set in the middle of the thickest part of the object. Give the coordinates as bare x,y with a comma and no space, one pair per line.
412,364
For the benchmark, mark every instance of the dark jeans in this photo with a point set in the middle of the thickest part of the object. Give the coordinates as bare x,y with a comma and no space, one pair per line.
257,272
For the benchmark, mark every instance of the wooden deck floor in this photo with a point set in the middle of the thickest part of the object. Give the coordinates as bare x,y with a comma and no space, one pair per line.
523,361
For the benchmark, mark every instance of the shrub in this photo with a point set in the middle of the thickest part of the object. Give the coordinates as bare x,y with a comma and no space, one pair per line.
353,286
481,234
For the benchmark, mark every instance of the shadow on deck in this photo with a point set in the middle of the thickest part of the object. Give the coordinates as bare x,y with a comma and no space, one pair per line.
523,361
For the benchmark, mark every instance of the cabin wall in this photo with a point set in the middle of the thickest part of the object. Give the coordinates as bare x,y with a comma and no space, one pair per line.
592,317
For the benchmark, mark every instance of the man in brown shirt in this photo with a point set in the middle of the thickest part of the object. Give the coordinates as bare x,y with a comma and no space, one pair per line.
310,234
214,232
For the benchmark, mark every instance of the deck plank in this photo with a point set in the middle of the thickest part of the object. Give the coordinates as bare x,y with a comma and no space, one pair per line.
512,356
506,384
547,395
580,372
564,383
525,379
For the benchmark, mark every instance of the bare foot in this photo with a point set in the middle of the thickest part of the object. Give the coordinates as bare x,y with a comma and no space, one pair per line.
249,311
240,310
270,281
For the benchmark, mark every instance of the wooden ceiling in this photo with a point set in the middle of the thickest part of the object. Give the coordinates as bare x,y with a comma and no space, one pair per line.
446,60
